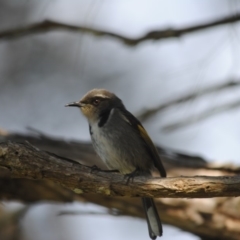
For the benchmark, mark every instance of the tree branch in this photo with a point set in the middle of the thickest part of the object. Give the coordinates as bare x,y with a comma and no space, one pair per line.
215,218
49,25
208,113
146,114
19,160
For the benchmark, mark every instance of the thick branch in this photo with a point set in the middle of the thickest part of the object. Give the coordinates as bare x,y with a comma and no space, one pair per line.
25,161
153,35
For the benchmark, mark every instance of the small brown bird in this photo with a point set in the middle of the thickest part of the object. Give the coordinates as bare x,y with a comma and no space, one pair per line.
122,143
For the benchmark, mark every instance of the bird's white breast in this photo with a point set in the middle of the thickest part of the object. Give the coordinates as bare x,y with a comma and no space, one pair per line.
101,140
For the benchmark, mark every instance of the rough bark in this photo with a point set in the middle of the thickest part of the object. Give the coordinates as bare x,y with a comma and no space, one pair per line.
19,160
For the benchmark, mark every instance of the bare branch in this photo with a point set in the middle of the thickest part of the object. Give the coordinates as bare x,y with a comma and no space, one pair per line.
49,25
202,116
146,114
25,161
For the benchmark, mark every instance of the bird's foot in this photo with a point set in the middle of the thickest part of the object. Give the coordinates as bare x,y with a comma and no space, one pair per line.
131,176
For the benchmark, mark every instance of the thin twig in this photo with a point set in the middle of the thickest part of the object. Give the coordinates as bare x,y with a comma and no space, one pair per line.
49,25
202,116
113,212
146,114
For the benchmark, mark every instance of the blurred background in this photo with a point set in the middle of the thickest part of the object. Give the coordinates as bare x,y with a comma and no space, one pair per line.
41,72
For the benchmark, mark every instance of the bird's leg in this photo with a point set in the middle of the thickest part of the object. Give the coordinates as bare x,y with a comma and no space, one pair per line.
131,175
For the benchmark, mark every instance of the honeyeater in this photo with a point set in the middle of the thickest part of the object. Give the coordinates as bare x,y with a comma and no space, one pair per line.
122,143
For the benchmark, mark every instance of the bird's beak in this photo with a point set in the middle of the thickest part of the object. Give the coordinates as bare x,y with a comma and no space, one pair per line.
74,104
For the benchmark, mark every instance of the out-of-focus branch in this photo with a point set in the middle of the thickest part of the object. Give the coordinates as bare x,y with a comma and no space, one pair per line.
213,218
9,224
49,25
208,113
31,191
144,115
199,216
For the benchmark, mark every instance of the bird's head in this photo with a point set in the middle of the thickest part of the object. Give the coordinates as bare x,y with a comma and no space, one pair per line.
96,102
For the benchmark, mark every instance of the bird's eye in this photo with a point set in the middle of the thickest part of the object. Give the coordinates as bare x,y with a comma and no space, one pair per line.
96,101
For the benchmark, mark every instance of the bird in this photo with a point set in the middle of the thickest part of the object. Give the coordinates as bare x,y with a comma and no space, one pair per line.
122,143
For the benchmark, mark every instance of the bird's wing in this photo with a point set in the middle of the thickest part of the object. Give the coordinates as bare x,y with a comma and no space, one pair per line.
151,149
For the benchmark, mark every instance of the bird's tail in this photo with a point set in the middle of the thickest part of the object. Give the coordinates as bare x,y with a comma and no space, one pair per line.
153,219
